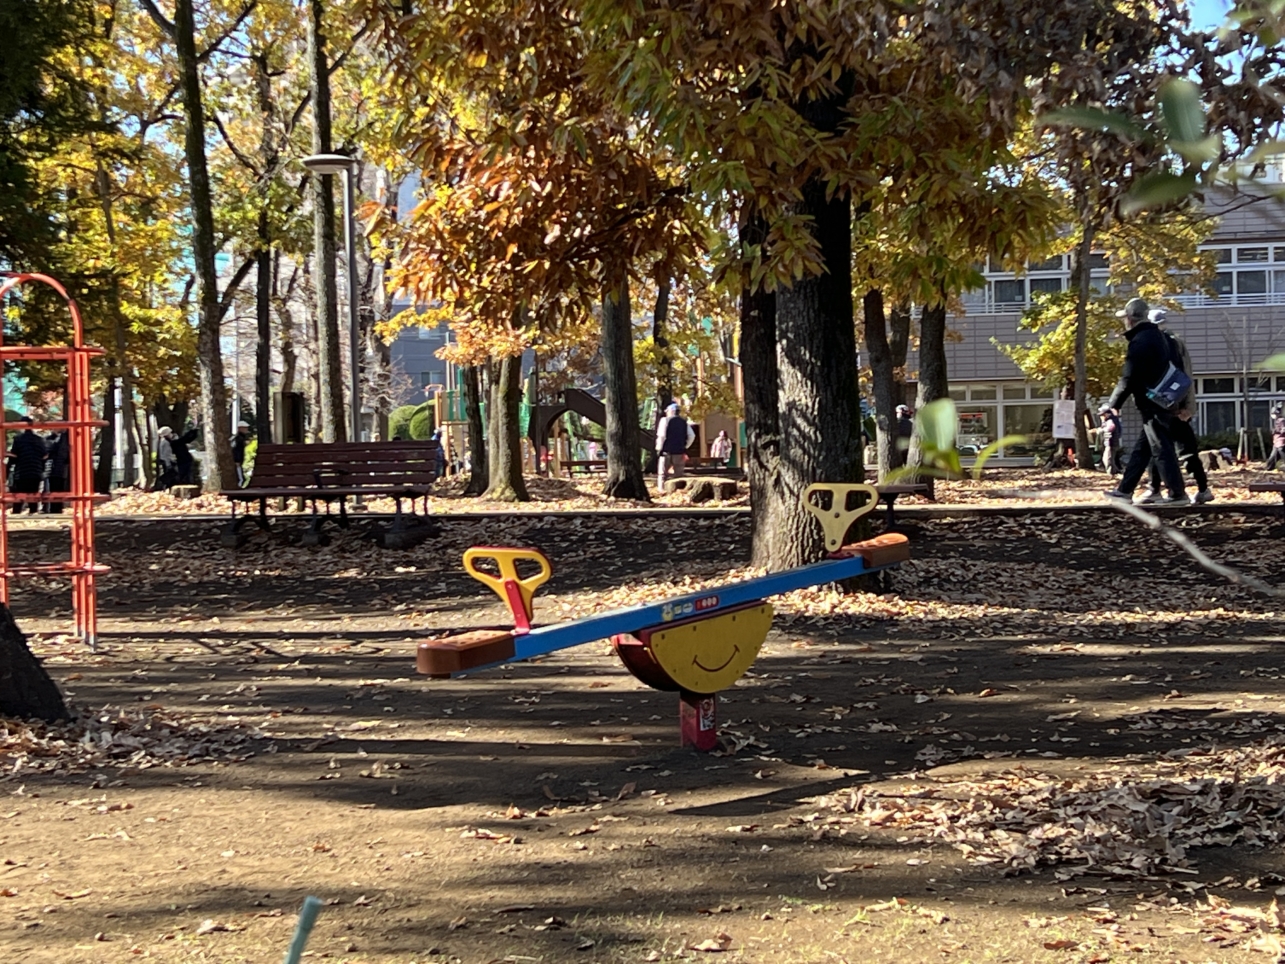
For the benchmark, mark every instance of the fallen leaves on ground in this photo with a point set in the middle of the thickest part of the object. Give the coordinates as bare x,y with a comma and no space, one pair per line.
1101,824
139,739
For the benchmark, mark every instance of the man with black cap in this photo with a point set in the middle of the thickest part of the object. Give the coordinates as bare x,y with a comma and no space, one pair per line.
1146,364
1185,443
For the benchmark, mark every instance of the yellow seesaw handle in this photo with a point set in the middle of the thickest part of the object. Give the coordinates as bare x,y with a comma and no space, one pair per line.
833,514
517,593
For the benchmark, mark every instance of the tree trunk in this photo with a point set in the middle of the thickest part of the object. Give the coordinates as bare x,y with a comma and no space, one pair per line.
759,385
816,358
478,481
140,443
1080,269
219,472
330,371
504,468
106,440
26,690
933,379
624,464
882,382
660,338
285,319
263,335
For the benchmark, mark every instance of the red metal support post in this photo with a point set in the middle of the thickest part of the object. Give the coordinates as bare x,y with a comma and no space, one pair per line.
78,422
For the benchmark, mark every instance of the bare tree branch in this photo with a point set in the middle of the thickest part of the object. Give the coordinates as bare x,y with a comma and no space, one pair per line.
246,162
234,283
165,26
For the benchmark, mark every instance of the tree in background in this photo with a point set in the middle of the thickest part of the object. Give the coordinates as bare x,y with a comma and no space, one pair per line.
1153,256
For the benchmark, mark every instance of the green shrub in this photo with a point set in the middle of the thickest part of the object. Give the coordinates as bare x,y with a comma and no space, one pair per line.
423,422
399,421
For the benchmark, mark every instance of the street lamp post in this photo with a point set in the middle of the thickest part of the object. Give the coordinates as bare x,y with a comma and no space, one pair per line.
343,164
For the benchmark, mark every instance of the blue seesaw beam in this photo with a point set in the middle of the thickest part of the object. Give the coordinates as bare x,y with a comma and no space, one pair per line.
575,632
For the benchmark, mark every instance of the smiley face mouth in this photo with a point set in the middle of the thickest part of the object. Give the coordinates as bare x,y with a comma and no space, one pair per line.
714,669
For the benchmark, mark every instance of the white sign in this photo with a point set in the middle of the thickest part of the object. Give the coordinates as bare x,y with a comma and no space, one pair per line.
1064,419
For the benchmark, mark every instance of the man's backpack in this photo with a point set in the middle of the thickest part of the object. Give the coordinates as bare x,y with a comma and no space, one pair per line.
1175,386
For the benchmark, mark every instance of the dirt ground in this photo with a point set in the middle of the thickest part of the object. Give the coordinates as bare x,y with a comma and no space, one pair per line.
258,734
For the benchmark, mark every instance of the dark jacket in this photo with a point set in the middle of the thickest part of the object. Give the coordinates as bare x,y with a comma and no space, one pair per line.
59,457
179,444
1145,363
239,442
29,452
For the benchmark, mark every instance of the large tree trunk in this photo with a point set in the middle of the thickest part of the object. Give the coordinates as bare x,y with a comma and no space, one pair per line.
26,689
882,382
759,384
219,472
478,481
624,463
1080,269
933,379
816,357
106,440
330,371
505,464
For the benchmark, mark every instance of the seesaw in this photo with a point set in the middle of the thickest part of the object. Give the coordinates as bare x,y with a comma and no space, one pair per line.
696,644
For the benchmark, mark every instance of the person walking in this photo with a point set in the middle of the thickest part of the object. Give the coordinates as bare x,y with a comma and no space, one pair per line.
1186,446
27,466
239,442
1146,364
184,462
1111,433
59,466
165,473
721,448
905,429
674,436
1278,438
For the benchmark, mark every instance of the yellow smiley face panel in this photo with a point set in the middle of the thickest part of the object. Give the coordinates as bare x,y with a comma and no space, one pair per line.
707,655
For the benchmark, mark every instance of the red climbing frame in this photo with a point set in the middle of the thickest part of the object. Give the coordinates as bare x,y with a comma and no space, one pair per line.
79,425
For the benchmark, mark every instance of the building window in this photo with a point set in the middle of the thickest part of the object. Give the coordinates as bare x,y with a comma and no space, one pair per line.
1251,255
1278,254
1251,282
1261,383
1223,283
958,394
1219,417
435,377
1014,392
1259,417
1010,292
983,393
1052,264
1045,286
1280,383
1222,255
1038,391
1097,262
1220,386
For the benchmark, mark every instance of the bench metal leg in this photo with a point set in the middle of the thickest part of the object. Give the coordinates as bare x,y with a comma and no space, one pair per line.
313,535
232,537
891,520
343,513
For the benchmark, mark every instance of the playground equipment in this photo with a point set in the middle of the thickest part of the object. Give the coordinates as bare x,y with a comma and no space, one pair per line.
79,424
696,644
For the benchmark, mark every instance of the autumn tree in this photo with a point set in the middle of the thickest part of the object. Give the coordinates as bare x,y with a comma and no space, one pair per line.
540,203
1153,256
795,118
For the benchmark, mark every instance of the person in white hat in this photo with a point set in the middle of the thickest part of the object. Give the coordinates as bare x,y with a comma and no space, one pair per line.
239,441
674,436
164,458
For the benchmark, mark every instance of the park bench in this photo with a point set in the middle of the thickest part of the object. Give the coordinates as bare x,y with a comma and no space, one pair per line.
1278,487
888,496
584,466
334,473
